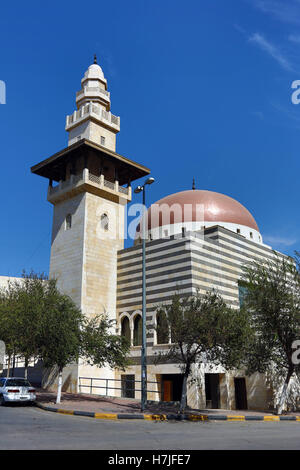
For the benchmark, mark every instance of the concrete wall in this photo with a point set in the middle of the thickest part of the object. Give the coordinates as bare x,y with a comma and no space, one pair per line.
92,131
67,247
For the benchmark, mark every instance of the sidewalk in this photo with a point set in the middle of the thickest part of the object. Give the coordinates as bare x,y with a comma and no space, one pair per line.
100,404
105,405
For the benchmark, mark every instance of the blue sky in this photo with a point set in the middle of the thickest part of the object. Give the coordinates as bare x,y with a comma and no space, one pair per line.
203,90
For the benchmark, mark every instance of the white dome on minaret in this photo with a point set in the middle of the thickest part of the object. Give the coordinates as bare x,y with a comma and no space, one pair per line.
94,72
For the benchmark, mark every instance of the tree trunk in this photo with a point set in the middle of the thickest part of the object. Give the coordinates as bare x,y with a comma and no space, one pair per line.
59,386
184,389
8,365
26,369
14,365
284,391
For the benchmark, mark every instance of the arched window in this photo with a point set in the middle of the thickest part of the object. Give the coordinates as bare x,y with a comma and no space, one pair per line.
162,332
137,331
125,328
104,222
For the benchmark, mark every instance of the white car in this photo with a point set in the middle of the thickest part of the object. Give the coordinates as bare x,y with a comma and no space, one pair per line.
16,390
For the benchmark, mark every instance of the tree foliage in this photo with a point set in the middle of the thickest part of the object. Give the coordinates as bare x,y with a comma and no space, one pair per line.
8,321
37,320
100,346
28,307
60,332
272,301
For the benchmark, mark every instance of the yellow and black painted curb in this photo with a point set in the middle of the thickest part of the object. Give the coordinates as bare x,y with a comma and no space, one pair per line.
171,416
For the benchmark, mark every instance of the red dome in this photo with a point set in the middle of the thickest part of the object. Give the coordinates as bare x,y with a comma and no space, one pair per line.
217,208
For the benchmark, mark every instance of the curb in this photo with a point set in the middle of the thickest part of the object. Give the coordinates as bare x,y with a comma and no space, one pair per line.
167,417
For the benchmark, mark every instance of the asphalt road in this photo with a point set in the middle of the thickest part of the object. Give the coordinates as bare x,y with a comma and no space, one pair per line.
25,427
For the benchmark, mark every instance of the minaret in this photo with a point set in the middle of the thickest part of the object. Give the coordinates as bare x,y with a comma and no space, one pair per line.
89,199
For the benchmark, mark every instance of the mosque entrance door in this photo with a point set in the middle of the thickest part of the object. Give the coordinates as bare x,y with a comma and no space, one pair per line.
212,390
172,387
240,393
168,390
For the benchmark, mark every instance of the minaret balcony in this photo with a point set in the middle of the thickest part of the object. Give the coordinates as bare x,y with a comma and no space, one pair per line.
96,113
88,182
90,93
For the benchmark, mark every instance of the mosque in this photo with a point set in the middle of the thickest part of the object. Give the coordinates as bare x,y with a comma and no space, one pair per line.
197,240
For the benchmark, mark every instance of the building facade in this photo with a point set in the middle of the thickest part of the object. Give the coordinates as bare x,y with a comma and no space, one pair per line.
194,262
196,241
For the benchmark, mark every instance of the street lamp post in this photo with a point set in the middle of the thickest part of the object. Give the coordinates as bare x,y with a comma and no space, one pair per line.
143,351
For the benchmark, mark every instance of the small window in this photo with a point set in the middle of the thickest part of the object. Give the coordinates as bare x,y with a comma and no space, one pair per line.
251,235
102,140
128,386
137,333
104,222
243,291
162,329
238,231
68,222
125,328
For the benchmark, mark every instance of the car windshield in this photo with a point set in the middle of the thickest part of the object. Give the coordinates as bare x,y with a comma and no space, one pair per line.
17,383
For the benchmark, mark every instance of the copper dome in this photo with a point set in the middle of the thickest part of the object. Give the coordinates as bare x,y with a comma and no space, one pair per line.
217,208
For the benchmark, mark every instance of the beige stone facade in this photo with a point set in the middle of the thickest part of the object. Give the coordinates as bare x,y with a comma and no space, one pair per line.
84,258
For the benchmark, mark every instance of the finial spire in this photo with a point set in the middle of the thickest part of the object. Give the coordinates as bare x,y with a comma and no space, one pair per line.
194,187
95,59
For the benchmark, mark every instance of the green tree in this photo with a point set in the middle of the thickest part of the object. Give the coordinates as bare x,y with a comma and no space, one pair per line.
37,320
100,346
8,323
29,303
203,328
21,304
61,330
68,335
272,300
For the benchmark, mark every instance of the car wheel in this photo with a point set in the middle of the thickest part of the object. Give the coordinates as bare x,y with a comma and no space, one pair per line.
2,401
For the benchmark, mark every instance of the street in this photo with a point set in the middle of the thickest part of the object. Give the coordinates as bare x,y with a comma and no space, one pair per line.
23,427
